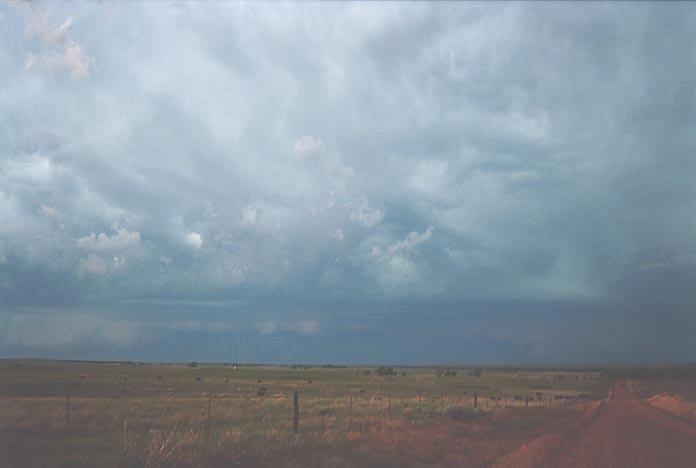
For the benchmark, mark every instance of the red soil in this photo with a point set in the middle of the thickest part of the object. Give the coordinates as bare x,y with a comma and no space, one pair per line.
622,432
674,404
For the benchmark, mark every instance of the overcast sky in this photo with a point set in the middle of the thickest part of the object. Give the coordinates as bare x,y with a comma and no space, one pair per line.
348,182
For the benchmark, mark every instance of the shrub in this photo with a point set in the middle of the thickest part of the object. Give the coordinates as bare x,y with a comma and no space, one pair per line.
385,371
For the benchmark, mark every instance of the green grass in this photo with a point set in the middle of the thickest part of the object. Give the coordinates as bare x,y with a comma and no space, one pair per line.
44,378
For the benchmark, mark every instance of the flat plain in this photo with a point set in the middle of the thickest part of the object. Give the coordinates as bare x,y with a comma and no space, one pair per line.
145,414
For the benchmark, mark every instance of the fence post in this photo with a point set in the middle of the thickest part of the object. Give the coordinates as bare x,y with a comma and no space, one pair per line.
475,399
526,401
389,412
295,412
350,410
419,399
442,404
208,426
67,413
125,428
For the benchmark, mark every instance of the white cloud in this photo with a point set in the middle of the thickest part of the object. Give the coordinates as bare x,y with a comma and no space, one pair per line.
194,240
122,240
48,211
31,61
376,251
202,325
303,327
75,60
267,328
339,236
108,252
34,170
249,216
412,241
401,271
72,58
408,244
94,265
67,54
335,167
471,258
431,177
367,218
39,26
308,327
307,147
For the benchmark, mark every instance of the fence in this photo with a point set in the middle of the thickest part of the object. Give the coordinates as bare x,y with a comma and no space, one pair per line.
155,426
370,406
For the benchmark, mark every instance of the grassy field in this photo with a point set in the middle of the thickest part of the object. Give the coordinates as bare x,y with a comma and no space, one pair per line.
129,414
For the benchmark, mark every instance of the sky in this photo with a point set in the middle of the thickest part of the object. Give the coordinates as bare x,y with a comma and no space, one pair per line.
348,183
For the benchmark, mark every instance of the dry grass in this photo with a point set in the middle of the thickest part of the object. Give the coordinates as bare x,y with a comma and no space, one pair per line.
396,421
683,387
675,405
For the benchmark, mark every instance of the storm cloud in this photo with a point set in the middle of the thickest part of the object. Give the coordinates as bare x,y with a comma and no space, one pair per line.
331,182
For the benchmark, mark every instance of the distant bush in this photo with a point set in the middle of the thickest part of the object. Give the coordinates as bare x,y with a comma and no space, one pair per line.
192,364
385,371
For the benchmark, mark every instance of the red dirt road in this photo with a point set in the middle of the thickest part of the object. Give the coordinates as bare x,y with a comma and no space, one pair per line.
623,432
628,432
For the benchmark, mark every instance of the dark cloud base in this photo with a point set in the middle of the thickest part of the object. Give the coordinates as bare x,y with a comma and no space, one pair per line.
514,332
